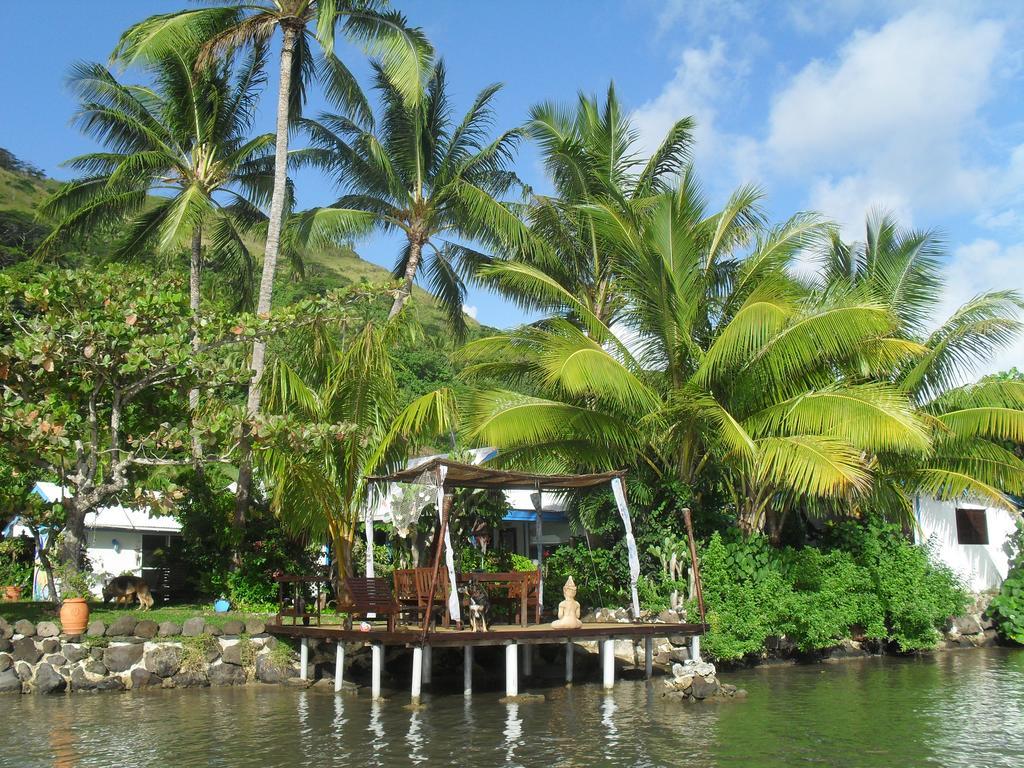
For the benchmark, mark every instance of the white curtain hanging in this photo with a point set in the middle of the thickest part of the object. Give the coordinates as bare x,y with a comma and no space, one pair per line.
634,558
454,610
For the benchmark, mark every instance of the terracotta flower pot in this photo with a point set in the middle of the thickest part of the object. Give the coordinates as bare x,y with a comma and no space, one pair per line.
11,593
74,615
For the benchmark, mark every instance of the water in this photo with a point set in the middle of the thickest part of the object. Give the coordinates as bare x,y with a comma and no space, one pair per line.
956,709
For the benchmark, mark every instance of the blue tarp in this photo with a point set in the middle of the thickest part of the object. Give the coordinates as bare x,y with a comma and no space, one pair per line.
528,515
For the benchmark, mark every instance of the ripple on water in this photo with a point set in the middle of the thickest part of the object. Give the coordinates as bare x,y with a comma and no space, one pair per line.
958,708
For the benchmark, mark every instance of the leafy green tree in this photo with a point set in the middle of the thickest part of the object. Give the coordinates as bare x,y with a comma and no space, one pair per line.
976,428
304,25
416,171
178,162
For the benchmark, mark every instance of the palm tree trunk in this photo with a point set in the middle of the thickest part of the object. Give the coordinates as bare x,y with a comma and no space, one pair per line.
194,282
244,493
415,253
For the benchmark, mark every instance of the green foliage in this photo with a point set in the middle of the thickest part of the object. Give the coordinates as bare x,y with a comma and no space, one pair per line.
16,562
866,581
601,575
74,583
1007,608
194,652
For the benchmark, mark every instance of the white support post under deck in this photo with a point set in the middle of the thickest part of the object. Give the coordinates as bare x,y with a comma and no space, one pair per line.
377,657
467,670
304,658
568,663
339,665
695,647
608,663
417,673
511,670
648,657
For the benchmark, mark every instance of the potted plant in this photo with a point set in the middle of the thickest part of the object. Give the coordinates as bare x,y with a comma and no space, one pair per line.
15,574
74,610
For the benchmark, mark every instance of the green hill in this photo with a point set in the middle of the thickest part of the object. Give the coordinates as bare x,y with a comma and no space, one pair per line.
23,188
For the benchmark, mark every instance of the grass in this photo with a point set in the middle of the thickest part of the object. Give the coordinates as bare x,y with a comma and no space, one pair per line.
36,612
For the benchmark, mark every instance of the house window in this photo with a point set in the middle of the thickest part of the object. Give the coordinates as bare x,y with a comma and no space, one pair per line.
971,526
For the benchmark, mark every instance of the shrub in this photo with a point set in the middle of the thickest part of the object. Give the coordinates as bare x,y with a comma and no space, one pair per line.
601,575
1007,608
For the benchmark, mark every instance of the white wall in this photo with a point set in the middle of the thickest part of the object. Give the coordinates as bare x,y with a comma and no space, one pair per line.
980,566
106,563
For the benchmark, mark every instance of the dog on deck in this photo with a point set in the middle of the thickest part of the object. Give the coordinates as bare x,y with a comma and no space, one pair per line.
126,589
478,604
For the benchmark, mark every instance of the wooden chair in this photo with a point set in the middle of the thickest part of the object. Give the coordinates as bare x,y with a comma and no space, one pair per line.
440,604
513,603
373,595
405,590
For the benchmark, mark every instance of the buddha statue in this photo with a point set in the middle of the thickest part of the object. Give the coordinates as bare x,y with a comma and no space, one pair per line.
568,609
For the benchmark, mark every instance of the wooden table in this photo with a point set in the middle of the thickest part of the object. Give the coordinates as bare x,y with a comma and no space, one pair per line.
520,580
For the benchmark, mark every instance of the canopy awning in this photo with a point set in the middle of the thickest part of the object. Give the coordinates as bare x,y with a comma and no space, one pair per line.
459,475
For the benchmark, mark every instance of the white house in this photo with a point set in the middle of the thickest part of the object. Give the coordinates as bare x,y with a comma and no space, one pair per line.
972,539
118,540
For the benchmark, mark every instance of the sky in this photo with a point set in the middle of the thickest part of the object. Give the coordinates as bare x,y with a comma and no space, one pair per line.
835,107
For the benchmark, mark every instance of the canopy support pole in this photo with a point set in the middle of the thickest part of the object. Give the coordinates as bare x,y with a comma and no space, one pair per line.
446,507
619,492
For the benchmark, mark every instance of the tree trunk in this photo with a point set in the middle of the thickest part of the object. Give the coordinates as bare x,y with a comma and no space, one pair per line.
194,296
44,559
244,493
411,266
74,535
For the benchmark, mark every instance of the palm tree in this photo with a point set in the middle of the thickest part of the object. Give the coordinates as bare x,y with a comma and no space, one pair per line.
417,172
726,365
404,54
178,162
973,425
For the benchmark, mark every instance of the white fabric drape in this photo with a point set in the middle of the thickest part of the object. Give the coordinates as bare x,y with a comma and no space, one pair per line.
368,533
634,558
454,609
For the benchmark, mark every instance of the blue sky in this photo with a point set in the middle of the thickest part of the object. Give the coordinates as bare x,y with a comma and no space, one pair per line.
908,105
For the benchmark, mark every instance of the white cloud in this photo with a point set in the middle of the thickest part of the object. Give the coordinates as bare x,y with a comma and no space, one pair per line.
470,310
892,111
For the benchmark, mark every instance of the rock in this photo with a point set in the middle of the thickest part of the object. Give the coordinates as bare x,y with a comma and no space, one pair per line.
51,645
10,682
226,674
143,678
669,617
80,681
25,650
6,630
682,683
703,688
234,627
24,627
678,670
255,627
190,680
24,670
95,667
123,626
47,629
146,629
193,627
5,644
121,658
213,631
96,653
168,629
55,660
741,693
74,653
680,654
232,654
47,680
269,672
701,668
988,637
967,625
6,662
164,660
847,649
96,629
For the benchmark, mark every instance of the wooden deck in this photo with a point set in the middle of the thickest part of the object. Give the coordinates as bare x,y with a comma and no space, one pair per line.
500,634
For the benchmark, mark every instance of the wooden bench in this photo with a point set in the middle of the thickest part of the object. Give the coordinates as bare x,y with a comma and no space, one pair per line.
373,595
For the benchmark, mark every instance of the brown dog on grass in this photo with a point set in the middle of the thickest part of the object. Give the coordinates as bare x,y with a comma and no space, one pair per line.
126,588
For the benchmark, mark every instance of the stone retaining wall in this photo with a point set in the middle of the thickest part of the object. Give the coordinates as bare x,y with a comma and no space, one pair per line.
36,658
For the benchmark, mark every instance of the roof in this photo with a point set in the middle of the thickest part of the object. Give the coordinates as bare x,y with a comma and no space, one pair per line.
461,475
113,516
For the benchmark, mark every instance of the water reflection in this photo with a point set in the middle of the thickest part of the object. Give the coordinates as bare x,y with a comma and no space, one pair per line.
956,709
